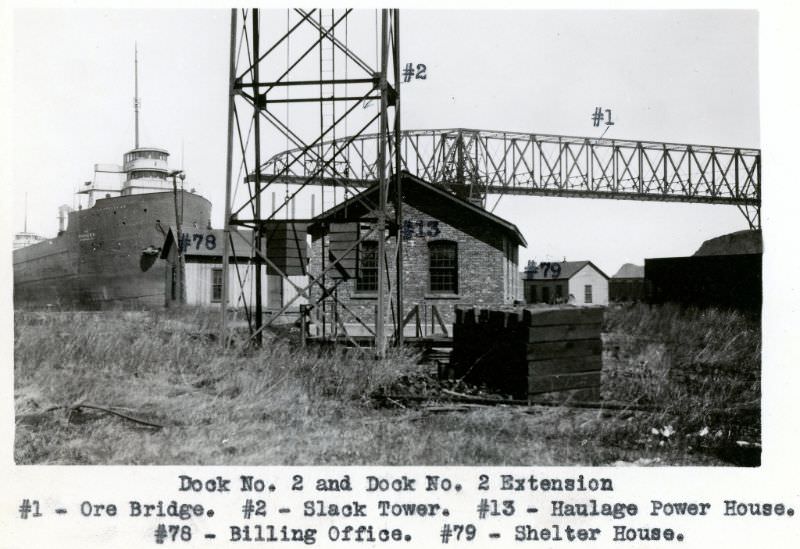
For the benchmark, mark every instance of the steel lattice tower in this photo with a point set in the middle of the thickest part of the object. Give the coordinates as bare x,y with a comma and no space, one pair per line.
277,75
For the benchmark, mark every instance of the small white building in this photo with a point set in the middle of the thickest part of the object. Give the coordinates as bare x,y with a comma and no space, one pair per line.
574,282
202,250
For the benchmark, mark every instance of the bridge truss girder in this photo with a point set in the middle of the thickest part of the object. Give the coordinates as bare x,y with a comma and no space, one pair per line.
474,163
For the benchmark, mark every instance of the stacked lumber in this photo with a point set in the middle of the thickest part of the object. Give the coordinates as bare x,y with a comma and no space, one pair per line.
528,352
286,247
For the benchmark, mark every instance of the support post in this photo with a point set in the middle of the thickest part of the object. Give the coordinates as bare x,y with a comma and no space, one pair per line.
397,178
303,325
460,159
259,318
228,175
380,338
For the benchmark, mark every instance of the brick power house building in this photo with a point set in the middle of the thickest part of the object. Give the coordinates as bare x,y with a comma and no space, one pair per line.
454,254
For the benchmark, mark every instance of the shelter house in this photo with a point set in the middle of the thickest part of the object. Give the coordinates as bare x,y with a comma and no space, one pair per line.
628,284
284,245
454,253
574,282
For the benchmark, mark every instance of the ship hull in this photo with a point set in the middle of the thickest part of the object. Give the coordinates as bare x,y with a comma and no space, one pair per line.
107,256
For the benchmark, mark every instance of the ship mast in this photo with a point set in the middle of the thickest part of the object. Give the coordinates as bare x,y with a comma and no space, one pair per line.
136,93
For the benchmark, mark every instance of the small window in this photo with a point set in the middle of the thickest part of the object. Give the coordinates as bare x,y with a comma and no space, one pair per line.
587,293
546,294
559,291
443,257
368,267
216,285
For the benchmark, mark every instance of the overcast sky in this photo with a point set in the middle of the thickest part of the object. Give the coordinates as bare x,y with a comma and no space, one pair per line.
677,76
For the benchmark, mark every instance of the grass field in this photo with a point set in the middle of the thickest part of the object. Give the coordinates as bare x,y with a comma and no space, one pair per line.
691,378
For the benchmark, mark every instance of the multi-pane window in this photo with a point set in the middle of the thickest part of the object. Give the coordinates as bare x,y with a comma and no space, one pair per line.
443,267
368,267
216,285
149,174
587,293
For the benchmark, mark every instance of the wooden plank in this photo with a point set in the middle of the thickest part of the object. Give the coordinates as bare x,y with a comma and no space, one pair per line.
570,396
435,315
343,237
339,244
563,332
565,365
343,229
469,316
290,268
563,315
286,252
564,349
563,382
498,319
289,247
283,232
293,262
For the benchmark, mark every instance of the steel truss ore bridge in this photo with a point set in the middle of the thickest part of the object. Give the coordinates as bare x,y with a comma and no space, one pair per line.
476,163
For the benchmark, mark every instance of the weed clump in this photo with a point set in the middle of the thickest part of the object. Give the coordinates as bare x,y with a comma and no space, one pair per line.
697,370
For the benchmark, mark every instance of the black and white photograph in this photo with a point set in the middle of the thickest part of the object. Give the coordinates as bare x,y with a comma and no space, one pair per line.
387,237
478,275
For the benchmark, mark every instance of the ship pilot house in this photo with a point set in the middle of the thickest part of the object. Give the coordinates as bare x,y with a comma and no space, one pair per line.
455,253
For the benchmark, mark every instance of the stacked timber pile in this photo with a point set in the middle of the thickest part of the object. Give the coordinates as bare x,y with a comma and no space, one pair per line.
529,352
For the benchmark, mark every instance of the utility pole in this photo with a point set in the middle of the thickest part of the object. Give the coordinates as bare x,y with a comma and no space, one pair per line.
181,275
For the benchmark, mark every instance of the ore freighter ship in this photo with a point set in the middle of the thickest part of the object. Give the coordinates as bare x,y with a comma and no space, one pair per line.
107,254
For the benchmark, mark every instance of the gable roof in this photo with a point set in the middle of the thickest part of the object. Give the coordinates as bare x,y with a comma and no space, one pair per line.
431,199
568,270
629,270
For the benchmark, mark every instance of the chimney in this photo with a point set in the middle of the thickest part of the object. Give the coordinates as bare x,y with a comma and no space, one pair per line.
63,210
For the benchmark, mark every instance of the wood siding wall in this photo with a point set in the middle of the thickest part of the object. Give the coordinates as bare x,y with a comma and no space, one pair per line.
199,278
589,276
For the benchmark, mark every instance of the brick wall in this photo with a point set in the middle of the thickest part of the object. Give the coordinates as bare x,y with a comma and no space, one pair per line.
482,272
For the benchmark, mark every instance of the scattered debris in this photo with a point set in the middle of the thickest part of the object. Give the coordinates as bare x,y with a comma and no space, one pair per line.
35,418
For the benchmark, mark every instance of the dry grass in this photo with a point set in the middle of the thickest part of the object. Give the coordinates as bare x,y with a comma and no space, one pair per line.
698,370
283,405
